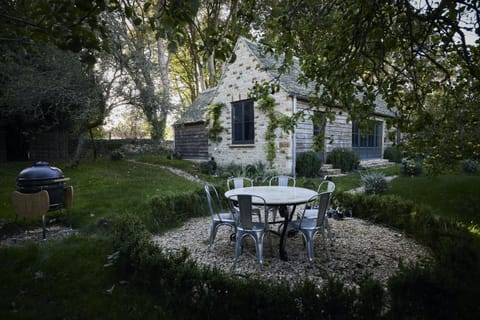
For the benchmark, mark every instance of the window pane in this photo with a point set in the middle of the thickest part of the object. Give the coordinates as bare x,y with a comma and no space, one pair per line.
242,122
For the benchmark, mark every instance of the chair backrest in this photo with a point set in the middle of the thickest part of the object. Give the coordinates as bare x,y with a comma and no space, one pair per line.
326,186
321,202
213,200
30,204
282,181
245,205
239,182
68,197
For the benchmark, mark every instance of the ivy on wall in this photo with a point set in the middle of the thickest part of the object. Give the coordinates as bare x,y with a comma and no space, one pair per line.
276,120
214,127
319,123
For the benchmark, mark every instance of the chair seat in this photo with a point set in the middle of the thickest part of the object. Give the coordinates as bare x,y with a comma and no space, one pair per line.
306,224
256,227
224,217
310,214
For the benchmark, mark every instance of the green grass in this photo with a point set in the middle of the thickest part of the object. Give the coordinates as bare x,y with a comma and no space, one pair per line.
354,180
67,279
451,196
103,189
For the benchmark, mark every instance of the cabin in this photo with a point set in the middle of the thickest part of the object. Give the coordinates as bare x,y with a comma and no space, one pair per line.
242,127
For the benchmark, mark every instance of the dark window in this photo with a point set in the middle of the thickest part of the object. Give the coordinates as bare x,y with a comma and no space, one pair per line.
242,122
368,135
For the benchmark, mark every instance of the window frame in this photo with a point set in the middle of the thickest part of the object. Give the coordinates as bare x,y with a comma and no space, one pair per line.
371,137
247,123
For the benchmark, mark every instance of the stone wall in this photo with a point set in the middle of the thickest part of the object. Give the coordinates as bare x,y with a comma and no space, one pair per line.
238,79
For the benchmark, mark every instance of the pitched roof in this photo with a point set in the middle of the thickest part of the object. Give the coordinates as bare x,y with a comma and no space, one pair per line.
288,82
198,108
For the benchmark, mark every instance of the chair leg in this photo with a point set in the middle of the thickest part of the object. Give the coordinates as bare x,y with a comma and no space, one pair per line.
238,244
309,236
44,227
329,230
213,233
259,247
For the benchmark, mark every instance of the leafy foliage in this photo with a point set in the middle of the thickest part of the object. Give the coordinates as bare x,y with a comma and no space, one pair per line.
416,56
470,165
343,158
49,88
393,154
267,105
374,183
308,164
214,126
411,167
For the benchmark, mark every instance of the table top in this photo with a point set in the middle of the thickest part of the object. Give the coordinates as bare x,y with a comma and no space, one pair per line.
275,195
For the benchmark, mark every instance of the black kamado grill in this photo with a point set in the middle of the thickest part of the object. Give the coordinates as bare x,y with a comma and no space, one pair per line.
40,177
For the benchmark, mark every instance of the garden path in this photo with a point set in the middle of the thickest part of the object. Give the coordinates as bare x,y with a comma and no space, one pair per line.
176,171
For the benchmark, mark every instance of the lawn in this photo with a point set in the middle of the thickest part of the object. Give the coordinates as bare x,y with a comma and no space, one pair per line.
69,280
103,189
451,196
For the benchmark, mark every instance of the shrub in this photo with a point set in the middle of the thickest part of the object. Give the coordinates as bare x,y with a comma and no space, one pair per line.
393,154
130,241
208,167
256,171
375,183
170,210
231,170
470,166
412,167
308,164
344,159
117,155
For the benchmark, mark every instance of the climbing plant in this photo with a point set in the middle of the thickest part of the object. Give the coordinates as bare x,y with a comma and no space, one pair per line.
266,105
214,126
319,122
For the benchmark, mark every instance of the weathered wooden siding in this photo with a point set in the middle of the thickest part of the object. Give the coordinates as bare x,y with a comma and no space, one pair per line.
304,130
337,134
191,141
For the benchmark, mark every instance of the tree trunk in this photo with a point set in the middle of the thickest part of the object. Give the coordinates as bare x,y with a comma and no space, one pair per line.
78,150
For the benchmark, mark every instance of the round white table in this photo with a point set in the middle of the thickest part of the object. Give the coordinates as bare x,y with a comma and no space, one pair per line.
278,196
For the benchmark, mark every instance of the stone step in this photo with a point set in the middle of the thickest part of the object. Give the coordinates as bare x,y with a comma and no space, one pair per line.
328,170
375,163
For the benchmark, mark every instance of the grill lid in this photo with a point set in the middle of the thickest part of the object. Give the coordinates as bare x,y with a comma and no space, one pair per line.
40,171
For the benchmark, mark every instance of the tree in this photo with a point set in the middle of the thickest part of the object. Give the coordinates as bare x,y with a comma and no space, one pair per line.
74,25
416,55
141,43
208,42
49,88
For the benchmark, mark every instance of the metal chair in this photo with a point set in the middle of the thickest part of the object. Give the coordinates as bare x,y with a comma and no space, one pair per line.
247,227
281,181
325,186
32,204
242,182
239,182
310,227
219,216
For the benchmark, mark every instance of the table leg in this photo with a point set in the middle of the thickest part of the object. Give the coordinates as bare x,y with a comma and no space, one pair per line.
288,217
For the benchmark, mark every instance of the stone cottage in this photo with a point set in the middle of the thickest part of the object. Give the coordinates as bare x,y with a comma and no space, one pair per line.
242,126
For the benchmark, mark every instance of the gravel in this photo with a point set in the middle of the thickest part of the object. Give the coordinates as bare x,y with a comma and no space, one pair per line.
358,249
